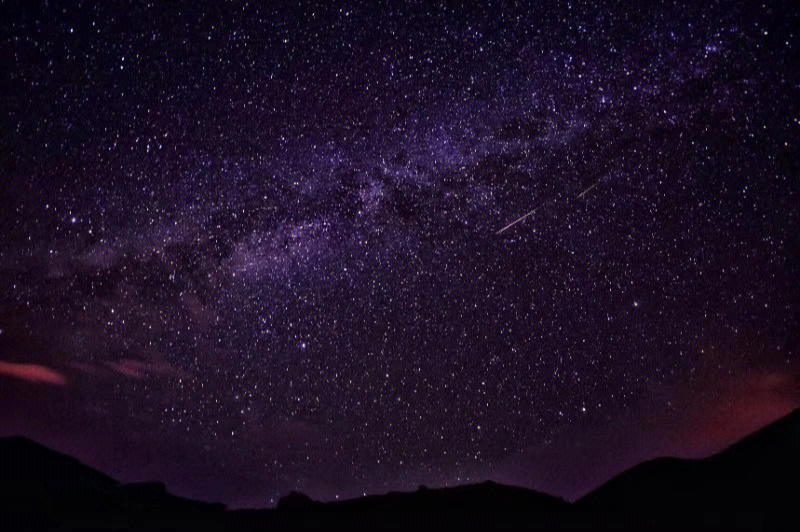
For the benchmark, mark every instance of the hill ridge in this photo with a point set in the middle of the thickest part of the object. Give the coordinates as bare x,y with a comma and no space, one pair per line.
751,483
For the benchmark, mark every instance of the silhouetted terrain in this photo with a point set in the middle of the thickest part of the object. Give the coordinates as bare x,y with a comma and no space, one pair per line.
752,484
756,482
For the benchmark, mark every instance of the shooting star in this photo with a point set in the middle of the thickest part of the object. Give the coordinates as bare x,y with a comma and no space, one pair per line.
531,213
587,190
518,220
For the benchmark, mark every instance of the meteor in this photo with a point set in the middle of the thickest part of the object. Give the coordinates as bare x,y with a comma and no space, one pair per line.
587,190
518,220
531,213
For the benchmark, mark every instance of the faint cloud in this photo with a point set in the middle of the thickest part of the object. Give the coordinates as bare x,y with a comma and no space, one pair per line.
32,373
137,369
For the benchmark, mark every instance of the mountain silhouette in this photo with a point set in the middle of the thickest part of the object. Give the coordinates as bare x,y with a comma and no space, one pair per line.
41,487
754,483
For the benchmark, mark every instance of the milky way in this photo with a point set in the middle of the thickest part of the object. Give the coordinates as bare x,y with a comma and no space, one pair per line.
350,249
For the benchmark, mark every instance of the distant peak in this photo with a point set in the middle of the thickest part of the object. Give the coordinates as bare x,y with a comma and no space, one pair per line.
294,500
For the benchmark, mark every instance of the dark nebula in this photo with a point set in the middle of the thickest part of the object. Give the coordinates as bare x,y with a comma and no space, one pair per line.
248,248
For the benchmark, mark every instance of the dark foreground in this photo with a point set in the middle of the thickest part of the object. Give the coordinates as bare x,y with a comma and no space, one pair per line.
755,483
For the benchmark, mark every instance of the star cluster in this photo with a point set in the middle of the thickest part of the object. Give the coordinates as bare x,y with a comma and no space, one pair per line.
246,249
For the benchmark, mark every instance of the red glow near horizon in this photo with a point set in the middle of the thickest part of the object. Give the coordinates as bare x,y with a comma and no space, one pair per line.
32,373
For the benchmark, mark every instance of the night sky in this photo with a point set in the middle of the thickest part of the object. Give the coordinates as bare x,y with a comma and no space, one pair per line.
347,249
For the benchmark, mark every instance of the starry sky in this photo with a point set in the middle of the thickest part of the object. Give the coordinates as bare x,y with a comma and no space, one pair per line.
248,248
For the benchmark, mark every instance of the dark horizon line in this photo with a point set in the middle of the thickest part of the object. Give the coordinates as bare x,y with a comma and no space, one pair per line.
293,493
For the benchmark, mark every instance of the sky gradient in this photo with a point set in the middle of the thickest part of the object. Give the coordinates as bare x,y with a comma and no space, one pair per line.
248,249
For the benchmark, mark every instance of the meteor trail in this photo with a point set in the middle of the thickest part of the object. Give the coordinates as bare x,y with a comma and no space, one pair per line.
521,218
587,190
518,220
